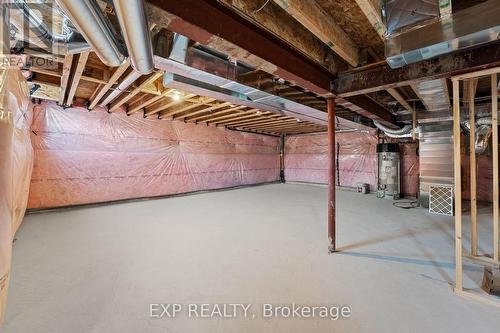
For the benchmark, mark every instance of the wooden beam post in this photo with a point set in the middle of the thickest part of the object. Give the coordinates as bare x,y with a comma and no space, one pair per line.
331,175
494,127
470,93
458,187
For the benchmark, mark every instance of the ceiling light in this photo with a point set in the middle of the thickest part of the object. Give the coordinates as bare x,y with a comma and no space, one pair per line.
176,96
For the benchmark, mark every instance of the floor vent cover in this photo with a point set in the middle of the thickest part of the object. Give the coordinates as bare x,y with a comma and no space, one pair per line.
441,199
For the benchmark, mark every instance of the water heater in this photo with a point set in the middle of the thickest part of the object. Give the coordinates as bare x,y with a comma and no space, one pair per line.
388,171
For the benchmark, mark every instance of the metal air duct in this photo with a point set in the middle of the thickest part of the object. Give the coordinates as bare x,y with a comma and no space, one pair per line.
40,35
132,17
180,74
91,22
467,28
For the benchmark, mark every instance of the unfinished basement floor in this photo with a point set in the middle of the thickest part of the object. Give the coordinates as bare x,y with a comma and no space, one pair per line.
98,269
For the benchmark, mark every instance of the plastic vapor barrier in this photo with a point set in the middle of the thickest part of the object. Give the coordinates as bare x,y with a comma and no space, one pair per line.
86,157
16,160
306,160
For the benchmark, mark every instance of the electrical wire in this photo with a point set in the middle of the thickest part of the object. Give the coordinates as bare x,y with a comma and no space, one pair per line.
261,7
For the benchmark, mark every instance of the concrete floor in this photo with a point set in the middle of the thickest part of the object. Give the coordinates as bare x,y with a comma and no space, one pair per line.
99,269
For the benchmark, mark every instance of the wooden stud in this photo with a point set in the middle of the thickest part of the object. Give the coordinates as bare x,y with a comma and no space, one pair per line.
494,127
458,188
470,93
80,67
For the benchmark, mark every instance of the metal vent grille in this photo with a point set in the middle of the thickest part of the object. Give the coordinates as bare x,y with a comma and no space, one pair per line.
441,199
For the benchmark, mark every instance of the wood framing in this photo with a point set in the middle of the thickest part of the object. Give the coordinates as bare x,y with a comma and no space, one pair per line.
148,80
458,187
471,92
469,89
82,61
371,9
104,89
397,96
494,127
68,62
313,17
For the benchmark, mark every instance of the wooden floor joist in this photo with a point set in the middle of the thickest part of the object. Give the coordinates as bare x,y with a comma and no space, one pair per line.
148,80
148,101
68,61
215,115
118,72
243,115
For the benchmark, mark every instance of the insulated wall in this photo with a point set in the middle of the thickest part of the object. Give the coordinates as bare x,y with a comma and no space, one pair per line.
16,160
86,157
306,160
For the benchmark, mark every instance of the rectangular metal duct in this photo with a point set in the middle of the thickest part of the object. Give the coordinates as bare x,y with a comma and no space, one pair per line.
436,157
434,94
191,71
401,14
470,27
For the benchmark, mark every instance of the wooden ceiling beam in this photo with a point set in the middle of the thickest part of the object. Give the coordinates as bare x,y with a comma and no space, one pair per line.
136,107
172,113
104,89
397,96
215,115
82,61
260,120
259,117
68,62
161,107
372,11
245,115
322,25
211,108
149,79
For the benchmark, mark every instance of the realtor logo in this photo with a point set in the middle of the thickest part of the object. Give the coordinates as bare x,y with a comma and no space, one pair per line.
36,29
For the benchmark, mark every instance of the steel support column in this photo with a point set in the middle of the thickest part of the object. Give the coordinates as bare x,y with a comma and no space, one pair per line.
331,174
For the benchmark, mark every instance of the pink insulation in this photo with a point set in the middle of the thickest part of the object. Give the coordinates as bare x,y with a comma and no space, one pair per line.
306,160
87,157
16,160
